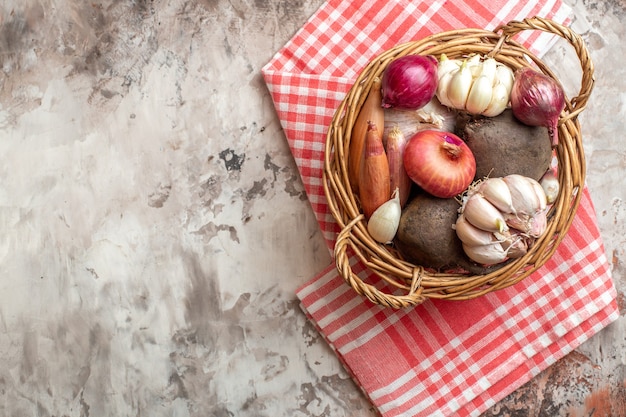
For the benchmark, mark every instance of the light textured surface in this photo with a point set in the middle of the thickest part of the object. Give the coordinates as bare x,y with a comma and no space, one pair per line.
154,227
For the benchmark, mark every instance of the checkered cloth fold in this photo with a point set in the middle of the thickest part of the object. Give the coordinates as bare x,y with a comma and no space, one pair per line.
440,358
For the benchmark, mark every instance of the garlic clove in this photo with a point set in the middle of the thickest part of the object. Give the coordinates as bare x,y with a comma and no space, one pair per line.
446,66
489,70
471,235
479,96
505,77
492,253
499,101
540,193
483,215
443,88
475,65
459,86
550,184
383,223
497,192
523,194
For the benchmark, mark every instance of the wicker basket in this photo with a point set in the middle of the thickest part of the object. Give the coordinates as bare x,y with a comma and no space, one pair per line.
412,284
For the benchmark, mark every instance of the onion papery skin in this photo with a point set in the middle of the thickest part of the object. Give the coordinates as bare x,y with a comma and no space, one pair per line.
537,100
439,162
409,82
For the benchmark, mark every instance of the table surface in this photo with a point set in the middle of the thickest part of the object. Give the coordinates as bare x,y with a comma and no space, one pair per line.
155,228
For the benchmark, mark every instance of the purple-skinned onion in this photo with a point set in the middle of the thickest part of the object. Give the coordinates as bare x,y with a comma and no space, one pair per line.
537,100
409,82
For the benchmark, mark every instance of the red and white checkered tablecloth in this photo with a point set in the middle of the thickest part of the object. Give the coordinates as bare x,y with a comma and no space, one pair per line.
440,358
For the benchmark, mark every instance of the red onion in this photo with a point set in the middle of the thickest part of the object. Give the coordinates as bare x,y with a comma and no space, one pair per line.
537,100
439,162
409,82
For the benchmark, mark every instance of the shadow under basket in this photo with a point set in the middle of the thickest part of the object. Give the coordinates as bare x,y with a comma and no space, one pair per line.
409,284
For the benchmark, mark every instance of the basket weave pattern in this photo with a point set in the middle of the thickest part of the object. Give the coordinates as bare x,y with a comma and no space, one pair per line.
412,283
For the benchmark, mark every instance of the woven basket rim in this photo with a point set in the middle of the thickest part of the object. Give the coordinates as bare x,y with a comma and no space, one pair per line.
413,284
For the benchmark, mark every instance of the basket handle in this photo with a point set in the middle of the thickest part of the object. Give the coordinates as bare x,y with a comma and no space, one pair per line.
579,102
342,262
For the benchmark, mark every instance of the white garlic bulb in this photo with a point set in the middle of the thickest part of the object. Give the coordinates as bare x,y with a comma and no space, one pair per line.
500,218
476,85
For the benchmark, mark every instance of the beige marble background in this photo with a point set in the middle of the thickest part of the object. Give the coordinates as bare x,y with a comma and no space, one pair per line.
153,226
